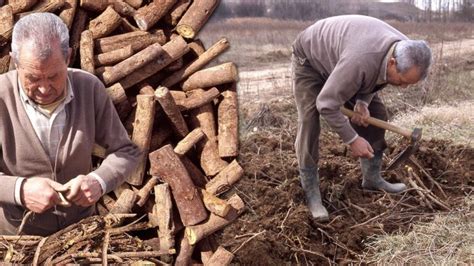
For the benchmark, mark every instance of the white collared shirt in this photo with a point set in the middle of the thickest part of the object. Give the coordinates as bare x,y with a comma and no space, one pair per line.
48,128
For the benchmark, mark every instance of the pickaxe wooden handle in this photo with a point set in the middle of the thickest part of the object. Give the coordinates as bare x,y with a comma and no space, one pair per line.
381,124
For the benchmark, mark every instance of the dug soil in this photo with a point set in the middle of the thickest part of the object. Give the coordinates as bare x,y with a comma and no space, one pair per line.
277,227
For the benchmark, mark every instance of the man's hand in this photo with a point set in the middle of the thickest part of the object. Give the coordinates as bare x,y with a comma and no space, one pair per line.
361,148
84,190
38,194
361,114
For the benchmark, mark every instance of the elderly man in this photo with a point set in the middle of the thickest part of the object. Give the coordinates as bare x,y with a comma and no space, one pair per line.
345,60
50,118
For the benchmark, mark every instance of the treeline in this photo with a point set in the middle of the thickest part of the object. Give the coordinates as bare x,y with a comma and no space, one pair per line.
407,10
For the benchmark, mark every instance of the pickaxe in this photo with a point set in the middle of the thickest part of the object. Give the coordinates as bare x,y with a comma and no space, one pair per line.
413,135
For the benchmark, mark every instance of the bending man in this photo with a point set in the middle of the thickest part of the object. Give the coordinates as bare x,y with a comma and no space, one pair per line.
345,60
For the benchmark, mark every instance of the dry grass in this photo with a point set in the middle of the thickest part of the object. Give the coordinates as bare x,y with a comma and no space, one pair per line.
259,42
447,240
256,42
435,31
454,122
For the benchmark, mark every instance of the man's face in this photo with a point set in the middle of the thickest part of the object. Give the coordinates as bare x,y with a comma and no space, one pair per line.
396,78
43,80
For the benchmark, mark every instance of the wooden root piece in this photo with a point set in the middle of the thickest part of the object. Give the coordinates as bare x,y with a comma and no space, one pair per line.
6,24
125,202
228,125
113,57
144,192
178,95
124,109
120,189
225,179
178,64
132,63
198,100
142,130
123,8
221,257
146,89
87,52
172,18
166,101
4,59
214,204
195,17
213,76
147,16
68,11
105,247
218,48
129,255
105,23
211,163
101,70
160,135
166,164
47,6
203,117
199,179
94,5
188,142
163,208
126,26
137,39
108,202
172,50
205,248
117,93
135,3
19,6
185,252
197,47
50,245
78,26
425,194
197,232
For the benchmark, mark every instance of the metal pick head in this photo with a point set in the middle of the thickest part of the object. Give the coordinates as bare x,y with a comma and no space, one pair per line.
407,152
416,134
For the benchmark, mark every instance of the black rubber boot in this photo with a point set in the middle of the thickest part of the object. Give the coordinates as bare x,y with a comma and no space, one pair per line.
371,175
310,183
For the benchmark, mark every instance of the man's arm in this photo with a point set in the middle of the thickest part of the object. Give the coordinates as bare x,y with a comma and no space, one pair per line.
8,189
365,98
344,82
122,154
36,193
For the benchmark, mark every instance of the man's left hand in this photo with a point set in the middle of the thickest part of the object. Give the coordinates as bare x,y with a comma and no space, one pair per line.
361,114
84,190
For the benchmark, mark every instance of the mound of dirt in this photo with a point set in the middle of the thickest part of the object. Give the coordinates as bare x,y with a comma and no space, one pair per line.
277,227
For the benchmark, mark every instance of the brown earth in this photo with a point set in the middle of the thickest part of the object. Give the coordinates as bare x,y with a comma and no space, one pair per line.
277,228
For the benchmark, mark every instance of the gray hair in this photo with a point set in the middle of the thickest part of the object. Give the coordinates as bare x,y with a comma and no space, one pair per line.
41,29
409,53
